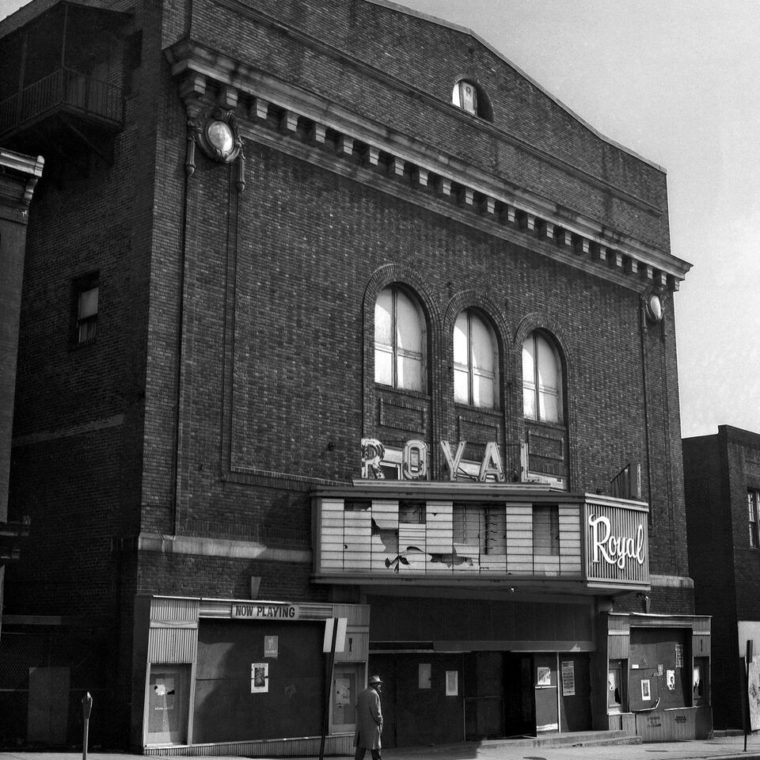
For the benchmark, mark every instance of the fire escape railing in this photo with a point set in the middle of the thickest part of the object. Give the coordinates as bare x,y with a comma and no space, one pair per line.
64,88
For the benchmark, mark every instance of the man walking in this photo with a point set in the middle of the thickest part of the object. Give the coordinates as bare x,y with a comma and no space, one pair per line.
369,720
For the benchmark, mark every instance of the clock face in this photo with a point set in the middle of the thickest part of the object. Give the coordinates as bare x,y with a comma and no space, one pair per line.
220,137
654,307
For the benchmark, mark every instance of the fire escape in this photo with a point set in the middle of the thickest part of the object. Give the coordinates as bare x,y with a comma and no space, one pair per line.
61,85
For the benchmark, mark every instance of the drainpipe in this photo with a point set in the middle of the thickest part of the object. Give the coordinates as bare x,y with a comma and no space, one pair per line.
645,382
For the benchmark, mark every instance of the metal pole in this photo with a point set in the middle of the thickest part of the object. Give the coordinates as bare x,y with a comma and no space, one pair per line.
328,690
86,710
747,660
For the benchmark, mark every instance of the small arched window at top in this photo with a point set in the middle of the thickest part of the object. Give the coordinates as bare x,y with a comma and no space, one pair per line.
470,97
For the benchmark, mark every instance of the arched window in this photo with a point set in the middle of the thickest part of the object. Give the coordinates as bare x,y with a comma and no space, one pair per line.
542,379
470,97
475,361
399,340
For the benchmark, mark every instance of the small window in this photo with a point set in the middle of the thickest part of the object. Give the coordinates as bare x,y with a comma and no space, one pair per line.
615,686
86,293
753,505
471,98
475,361
465,96
546,530
700,693
399,341
542,379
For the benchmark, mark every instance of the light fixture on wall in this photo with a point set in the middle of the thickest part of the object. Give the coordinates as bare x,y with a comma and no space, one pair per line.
654,306
219,137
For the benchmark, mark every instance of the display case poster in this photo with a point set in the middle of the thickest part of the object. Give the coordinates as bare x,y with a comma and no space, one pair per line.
259,677
646,690
568,678
543,676
452,683
271,646
753,693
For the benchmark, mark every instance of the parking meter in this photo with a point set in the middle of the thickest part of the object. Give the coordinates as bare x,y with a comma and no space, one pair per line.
86,710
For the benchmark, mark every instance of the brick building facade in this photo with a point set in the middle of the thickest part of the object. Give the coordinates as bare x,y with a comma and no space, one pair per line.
330,312
722,483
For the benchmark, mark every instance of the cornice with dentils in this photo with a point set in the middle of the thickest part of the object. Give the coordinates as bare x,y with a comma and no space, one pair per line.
318,130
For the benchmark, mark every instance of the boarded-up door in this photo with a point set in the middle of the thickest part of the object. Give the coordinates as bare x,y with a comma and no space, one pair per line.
168,704
347,683
575,692
48,712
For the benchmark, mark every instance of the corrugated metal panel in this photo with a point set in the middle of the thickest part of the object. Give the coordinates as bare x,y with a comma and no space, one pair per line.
618,647
169,610
172,645
357,614
357,647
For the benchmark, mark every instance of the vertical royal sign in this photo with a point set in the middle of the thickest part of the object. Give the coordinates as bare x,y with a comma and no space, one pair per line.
617,541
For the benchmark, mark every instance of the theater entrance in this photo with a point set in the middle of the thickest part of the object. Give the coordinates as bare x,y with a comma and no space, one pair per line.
438,698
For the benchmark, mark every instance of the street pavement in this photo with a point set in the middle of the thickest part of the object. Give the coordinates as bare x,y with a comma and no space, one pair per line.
718,748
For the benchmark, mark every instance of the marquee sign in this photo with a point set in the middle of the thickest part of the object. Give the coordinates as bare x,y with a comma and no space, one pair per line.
258,611
414,460
617,543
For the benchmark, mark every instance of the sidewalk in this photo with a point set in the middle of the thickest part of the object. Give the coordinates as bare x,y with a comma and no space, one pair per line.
721,748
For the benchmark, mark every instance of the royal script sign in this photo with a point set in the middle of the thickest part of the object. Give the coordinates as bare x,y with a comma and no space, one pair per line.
617,542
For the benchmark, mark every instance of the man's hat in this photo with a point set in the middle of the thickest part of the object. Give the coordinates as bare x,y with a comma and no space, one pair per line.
374,679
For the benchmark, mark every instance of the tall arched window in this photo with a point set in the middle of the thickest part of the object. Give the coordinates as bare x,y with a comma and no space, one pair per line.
542,379
399,340
475,361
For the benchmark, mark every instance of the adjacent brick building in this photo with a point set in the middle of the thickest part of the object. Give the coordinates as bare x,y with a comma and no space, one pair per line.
19,175
331,313
722,479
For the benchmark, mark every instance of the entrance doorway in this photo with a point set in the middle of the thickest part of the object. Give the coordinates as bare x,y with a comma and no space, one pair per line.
436,698
168,704
48,711
348,681
519,702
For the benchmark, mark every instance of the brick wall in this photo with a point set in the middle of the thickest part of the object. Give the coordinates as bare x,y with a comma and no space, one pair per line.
340,50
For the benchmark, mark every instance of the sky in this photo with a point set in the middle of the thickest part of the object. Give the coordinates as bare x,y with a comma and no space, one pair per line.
675,81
